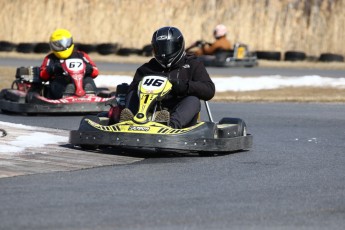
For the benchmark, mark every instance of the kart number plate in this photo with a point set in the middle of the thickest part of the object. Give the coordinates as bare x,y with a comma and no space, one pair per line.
74,64
153,83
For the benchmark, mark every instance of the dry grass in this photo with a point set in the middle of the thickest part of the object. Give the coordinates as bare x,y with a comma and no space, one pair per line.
313,27
303,64
301,94
7,75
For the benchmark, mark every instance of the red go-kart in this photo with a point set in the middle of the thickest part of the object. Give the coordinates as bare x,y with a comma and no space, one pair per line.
20,98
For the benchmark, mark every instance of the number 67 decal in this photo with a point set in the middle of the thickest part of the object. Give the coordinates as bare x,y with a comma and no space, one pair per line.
74,64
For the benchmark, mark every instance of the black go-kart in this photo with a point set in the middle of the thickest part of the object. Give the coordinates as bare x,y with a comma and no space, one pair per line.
143,131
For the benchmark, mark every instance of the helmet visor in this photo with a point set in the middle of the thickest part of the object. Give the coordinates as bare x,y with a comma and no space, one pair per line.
166,51
61,45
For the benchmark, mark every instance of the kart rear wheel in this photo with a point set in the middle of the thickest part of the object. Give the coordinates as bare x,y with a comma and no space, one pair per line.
14,96
7,112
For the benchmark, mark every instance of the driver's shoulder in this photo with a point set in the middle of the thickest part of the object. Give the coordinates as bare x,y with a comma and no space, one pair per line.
192,60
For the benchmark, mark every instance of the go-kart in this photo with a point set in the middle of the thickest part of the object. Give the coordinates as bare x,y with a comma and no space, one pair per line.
144,132
21,98
240,56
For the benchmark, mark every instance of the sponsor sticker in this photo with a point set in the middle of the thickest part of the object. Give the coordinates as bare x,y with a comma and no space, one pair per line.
138,128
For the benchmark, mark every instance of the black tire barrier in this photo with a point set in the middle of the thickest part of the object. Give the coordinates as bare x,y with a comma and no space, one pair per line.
294,56
329,57
87,48
42,47
26,47
128,51
107,48
269,55
113,48
7,46
147,51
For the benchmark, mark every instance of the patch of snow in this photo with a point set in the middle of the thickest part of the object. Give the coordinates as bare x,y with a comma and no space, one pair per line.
236,83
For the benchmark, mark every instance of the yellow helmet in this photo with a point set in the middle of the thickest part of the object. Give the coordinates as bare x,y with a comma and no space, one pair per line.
61,43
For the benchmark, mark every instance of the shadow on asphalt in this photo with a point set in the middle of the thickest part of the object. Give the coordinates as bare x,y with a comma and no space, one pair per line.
147,153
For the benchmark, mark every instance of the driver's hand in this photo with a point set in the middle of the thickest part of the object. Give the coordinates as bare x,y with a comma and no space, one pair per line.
58,70
179,87
55,69
88,69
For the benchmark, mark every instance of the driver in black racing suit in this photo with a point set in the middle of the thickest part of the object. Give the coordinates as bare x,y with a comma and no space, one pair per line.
189,78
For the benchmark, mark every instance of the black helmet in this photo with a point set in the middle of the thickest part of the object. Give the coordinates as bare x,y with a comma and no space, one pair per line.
168,46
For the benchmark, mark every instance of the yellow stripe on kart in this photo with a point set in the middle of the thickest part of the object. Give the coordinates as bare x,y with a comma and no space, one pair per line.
148,128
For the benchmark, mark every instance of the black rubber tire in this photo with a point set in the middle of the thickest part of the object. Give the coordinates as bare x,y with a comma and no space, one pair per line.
242,127
7,112
87,48
269,55
42,47
2,93
128,51
329,57
11,96
107,48
147,51
26,47
7,46
294,56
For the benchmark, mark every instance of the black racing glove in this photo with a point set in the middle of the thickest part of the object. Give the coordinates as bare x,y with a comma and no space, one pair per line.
88,69
55,69
179,87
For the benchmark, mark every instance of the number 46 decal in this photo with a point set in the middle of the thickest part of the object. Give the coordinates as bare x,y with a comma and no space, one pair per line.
153,82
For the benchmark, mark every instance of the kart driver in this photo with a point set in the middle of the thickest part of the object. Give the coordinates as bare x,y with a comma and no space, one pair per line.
221,42
62,47
189,78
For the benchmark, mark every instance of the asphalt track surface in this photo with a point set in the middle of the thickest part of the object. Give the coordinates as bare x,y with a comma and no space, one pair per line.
292,178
